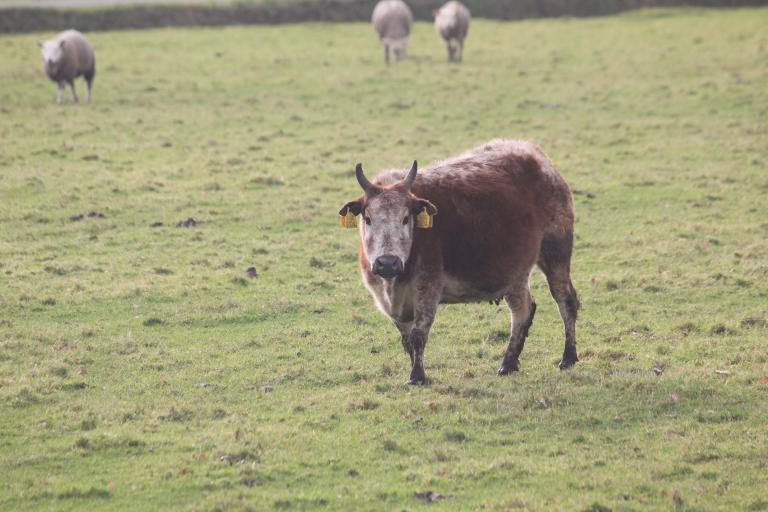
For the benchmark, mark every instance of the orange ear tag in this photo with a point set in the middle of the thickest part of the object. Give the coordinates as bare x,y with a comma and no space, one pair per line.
349,220
424,219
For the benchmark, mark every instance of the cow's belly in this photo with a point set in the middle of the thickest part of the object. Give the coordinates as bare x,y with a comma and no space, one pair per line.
456,291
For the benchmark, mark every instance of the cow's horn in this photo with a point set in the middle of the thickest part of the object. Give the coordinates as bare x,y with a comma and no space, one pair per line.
361,179
408,181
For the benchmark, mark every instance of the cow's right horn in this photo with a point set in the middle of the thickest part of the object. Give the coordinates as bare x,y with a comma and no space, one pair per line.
361,179
409,179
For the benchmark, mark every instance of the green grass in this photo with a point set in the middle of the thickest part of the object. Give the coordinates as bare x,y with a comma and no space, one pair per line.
140,368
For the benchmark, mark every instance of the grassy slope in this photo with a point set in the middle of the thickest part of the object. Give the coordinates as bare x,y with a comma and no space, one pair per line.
139,368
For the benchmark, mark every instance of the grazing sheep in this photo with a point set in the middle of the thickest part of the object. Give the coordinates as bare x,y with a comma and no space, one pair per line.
452,23
392,20
66,57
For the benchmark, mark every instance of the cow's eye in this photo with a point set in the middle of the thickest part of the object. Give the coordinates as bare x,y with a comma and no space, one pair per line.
368,220
405,220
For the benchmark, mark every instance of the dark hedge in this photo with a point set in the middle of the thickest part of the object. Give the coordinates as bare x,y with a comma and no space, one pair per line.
148,16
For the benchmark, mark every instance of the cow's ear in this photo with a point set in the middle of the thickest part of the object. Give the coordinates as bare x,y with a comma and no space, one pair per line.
356,207
349,212
422,204
424,212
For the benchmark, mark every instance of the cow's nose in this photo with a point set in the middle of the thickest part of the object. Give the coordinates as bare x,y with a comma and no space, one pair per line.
388,266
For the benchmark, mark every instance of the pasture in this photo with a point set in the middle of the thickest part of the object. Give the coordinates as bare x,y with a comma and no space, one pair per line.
142,368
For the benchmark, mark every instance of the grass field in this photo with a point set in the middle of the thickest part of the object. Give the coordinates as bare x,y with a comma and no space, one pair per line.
141,368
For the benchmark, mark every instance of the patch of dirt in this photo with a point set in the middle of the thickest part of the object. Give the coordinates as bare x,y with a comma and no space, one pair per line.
188,223
430,496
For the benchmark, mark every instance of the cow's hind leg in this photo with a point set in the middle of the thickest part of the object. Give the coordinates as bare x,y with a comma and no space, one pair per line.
555,262
523,308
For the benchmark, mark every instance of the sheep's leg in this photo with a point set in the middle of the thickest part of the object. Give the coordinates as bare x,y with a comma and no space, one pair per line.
89,81
386,54
461,50
60,97
454,50
74,93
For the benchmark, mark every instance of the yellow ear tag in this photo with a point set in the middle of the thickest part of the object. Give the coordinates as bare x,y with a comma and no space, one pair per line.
424,219
349,220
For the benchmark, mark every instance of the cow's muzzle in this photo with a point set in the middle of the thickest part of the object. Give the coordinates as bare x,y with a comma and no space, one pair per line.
388,266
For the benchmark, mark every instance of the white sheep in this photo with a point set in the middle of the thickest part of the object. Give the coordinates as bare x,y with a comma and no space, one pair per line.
66,57
452,23
392,20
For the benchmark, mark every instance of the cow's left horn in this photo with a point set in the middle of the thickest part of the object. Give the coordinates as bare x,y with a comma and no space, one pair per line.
361,179
408,181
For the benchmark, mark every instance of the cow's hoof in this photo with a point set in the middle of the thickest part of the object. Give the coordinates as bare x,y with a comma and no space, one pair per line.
506,369
567,363
417,378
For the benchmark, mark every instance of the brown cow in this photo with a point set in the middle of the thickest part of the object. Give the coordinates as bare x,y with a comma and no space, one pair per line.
503,208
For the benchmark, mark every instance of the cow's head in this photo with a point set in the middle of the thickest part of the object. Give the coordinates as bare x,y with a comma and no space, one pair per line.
388,220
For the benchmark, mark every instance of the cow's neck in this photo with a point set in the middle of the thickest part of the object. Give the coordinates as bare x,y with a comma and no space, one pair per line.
393,296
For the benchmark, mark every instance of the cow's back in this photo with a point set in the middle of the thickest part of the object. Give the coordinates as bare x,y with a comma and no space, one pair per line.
495,205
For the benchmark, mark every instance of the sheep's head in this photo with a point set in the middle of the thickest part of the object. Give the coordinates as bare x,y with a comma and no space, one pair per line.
53,52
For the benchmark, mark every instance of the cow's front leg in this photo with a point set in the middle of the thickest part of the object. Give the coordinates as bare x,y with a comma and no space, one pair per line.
404,328
426,307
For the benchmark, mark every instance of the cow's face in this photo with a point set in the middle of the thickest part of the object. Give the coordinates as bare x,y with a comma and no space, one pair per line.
388,220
